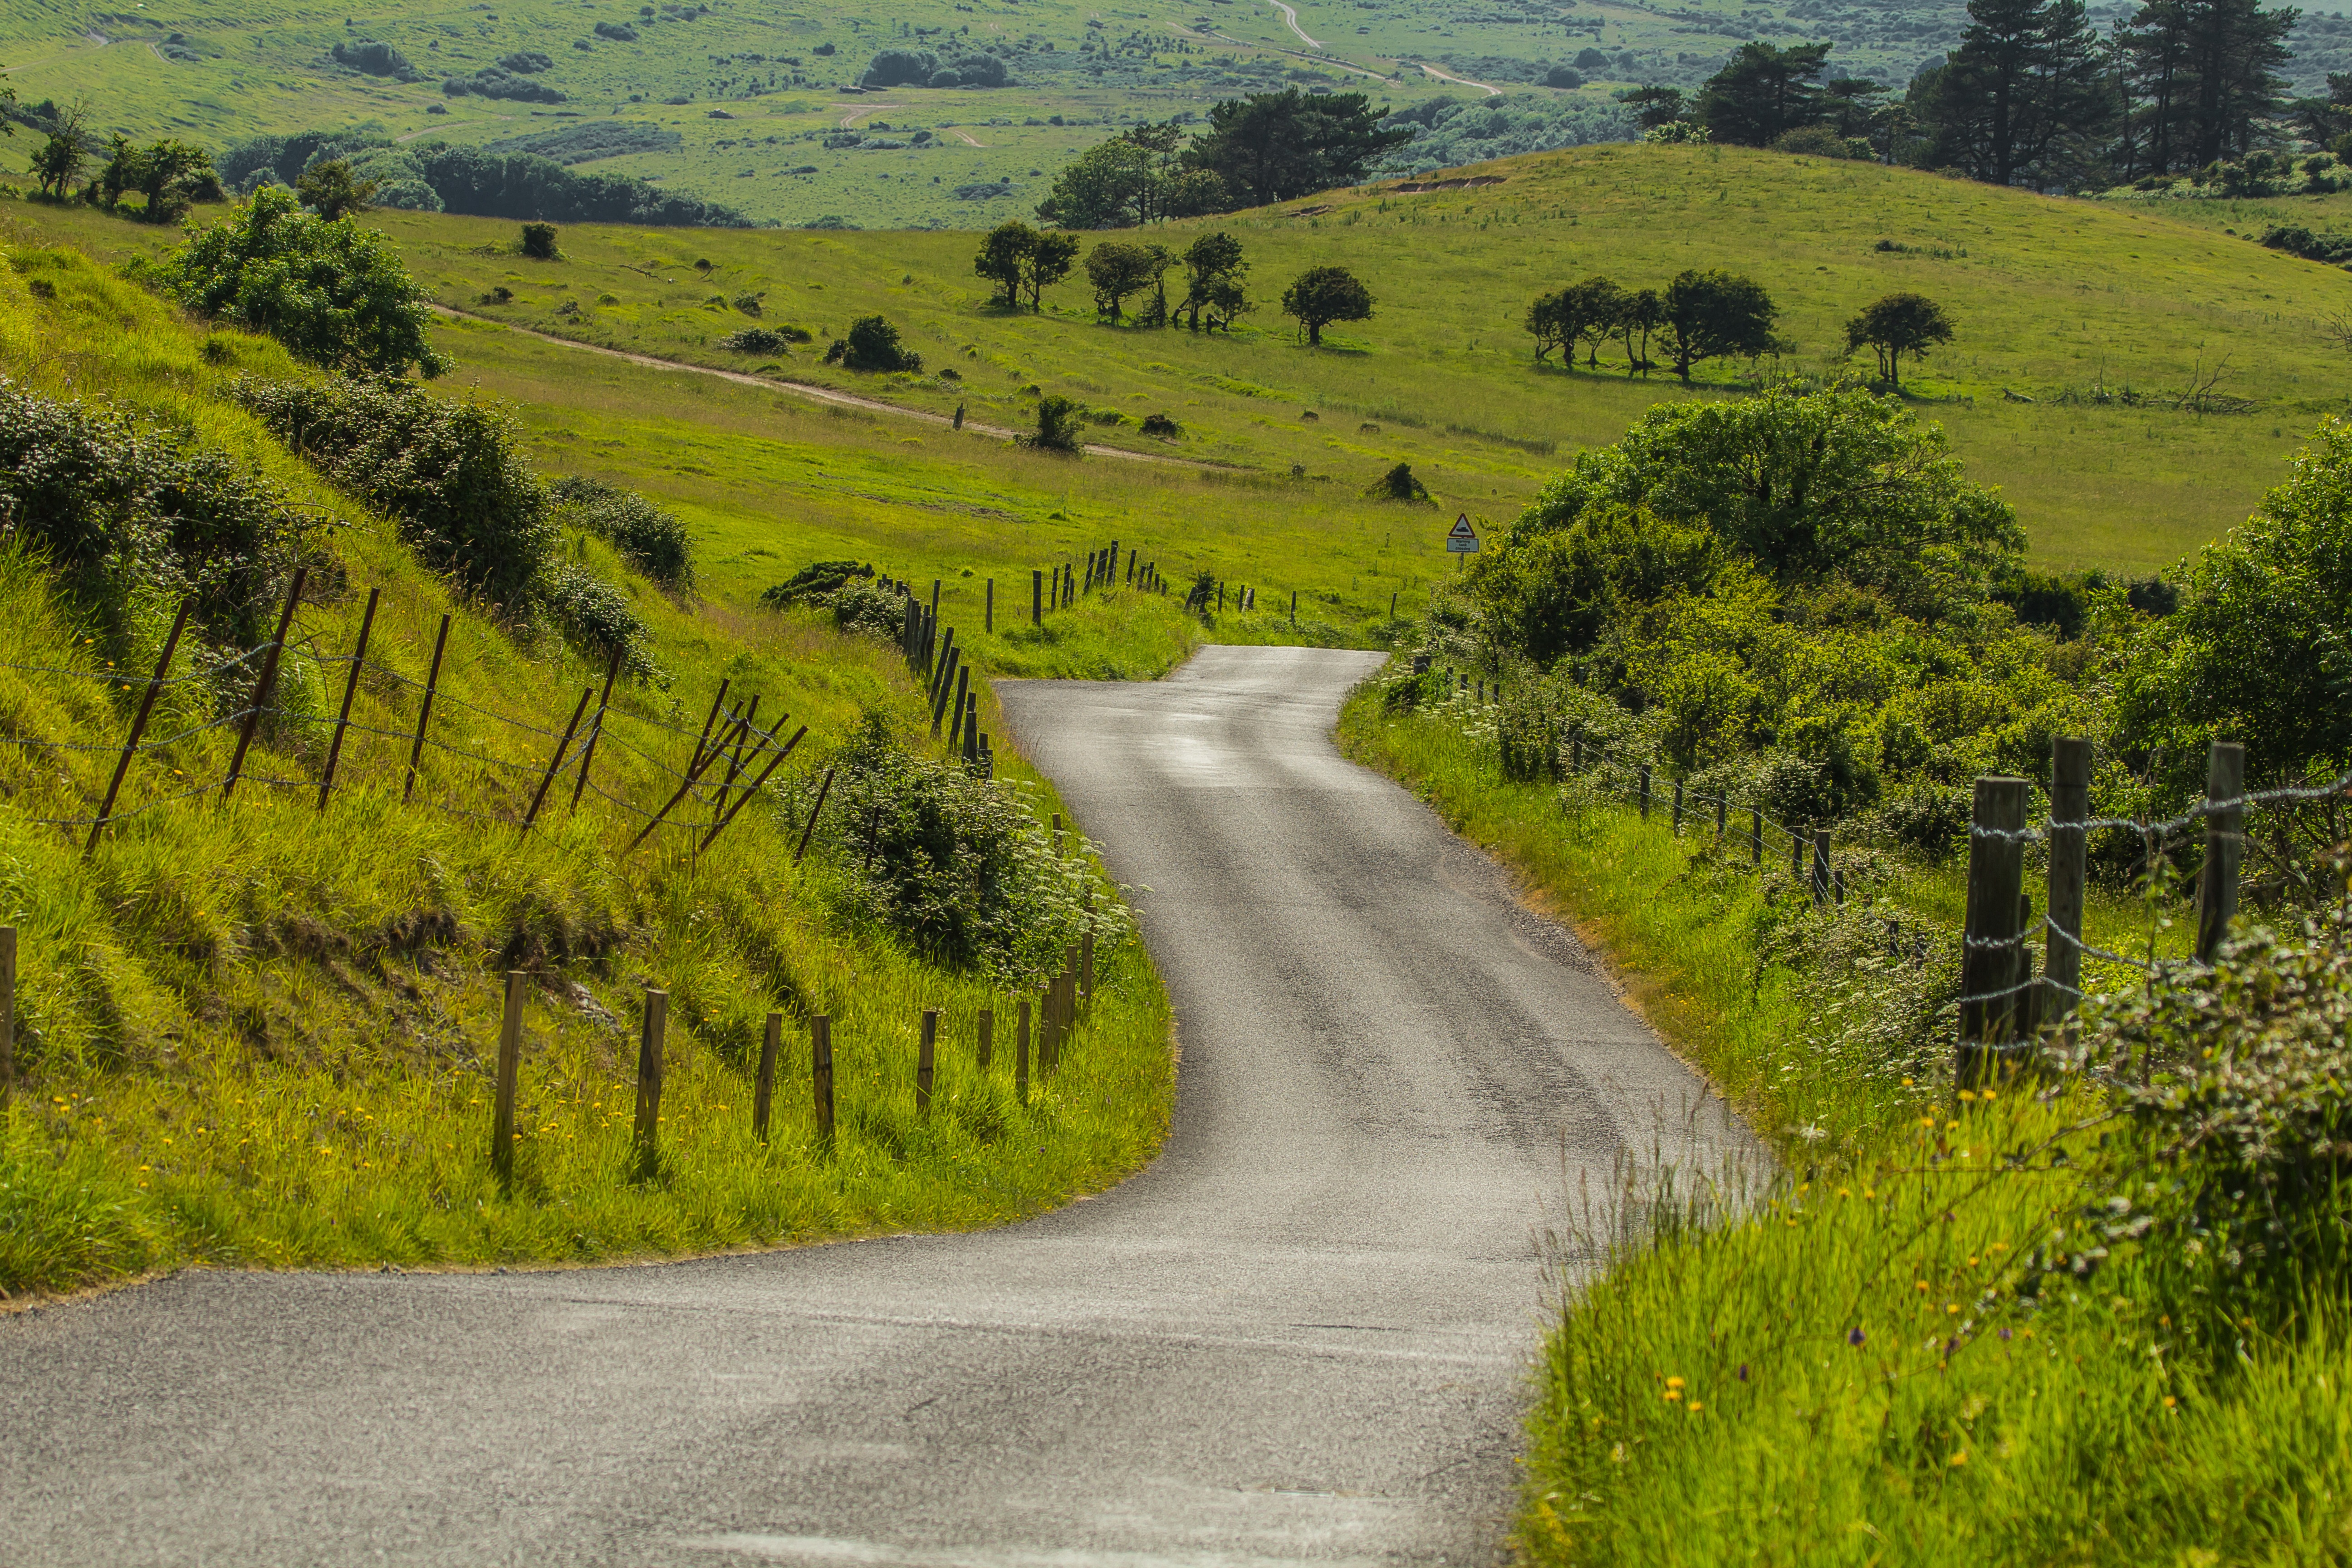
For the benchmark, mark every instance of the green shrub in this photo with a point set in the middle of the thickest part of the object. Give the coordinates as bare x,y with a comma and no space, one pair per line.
765,339
815,584
1398,484
450,473
954,866
597,618
334,293
872,345
1060,426
652,540
134,517
538,241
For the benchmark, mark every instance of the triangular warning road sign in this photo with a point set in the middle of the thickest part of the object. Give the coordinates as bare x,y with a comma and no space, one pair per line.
1462,539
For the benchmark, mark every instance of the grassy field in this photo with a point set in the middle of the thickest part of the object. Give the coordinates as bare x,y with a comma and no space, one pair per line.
2054,301
1832,1362
261,1033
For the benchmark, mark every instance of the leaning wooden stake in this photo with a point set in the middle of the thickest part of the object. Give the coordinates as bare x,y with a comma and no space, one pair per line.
265,685
926,1060
2070,802
650,1033
425,708
2225,844
815,812
1992,941
351,689
820,1072
743,799
502,1120
763,1093
138,727
703,758
555,763
596,729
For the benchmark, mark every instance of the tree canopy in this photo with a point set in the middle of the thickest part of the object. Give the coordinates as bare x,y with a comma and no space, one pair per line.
1763,94
1321,295
1896,325
332,292
1275,145
1708,314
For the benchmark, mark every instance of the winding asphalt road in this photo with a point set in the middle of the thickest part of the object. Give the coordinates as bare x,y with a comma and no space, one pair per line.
1300,1336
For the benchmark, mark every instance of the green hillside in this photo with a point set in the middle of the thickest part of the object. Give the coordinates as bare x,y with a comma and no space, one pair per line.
2065,303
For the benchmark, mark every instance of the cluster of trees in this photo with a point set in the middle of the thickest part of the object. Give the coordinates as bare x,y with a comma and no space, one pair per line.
168,175
2033,95
1703,314
1268,147
1024,261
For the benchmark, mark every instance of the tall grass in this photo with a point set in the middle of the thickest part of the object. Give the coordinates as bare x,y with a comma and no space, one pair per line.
1850,1355
259,1032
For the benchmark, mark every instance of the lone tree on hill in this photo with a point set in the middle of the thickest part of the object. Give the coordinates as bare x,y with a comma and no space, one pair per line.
1117,270
1323,295
1710,314
1004,258
1898,325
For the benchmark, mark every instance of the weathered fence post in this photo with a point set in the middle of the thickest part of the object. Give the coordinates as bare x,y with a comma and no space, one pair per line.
1993,940
350,690
1087,964
815,812
555,763
988,607
955,730
983,1050
1021,1053
138,727
2070,806
425,708
7,1012
2225,844
1058,836
1756,836
1821,867
596,728
763,1093
1797,856
502,1116
1678,808
264,684
1646,792
650,1035
926,1059
820,1072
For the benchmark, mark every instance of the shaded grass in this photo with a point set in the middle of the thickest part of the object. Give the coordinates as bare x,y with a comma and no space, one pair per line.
1851,1358
262,1032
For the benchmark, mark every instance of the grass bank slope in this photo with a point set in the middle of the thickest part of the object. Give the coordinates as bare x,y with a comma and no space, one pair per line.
260,1032
2054,298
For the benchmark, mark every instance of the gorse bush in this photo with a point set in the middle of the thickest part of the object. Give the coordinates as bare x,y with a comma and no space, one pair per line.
451,474
132,518
651,540
332,292
956,867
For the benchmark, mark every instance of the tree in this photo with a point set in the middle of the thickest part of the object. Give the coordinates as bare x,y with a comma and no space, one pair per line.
1322,295
1004,258
1898,325
873,344
1212,274
1763,94
169,174
1059,427
2206,73
1565,318
1851,106
61,159
1639,314
1049,261
538,244
2025,81
1273,146
1109,186
1653,105
1399,483
333,293
329,190
1117,270
1709,314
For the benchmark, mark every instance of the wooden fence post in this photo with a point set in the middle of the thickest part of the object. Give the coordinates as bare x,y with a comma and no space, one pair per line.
555,763
1036,598
596,728
7,1012
2225,844
351,689
425,708
983,1051
742,800
1821,867
264,684
650,1033
1796,857
1087,965
764,1092
926,1060
138,728
2070,802
1058,836
821,1073
1646,792
1722,813
963,686
1678,808
1756,836
815,812
1021,1053
502,1119
1049,1027
1993,943
988,607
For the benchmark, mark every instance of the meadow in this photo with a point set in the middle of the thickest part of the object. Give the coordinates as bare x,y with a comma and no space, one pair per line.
259,1032
2066,303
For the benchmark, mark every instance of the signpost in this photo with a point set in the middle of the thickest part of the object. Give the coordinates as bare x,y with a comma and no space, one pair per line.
1462,539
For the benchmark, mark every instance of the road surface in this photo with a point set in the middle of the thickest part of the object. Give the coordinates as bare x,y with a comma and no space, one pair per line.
1298,1338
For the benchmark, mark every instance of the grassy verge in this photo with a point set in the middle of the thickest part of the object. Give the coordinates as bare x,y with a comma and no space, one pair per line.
261,1032
1864,1359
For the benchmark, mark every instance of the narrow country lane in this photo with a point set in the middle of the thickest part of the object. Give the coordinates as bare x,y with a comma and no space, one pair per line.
1299,1337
